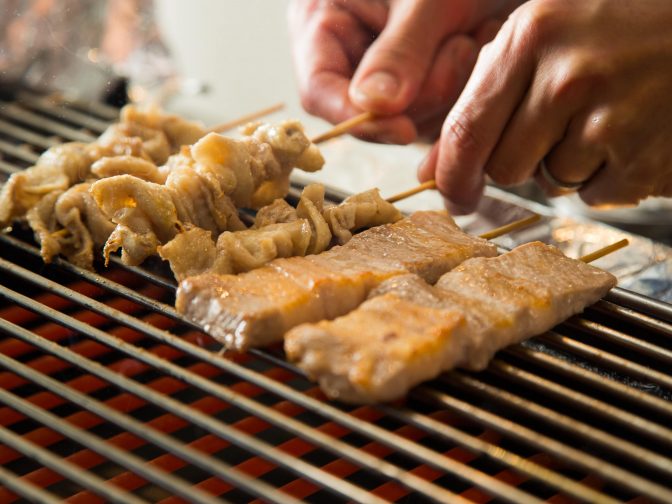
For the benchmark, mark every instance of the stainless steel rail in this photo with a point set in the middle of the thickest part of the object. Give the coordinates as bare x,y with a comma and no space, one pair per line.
583,411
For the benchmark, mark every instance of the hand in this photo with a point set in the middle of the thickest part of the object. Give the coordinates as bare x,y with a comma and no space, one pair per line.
406,60
584,86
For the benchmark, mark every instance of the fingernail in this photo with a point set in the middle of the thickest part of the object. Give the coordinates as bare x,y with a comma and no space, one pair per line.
377,86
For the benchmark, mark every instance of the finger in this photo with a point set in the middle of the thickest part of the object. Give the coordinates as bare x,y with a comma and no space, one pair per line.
498,84
608,189
427,166
323,57
393,69
575,159
540,122
448,75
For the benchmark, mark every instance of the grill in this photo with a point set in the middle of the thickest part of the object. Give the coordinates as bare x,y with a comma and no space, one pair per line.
107,394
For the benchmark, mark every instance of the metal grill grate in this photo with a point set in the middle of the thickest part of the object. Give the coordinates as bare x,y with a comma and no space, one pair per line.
108,395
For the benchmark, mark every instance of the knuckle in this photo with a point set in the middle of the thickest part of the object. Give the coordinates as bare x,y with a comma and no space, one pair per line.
460,131
598,130
575,78
503,174
536,22
401,47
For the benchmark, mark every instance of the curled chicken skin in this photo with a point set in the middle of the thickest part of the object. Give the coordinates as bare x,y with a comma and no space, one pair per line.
204,185
71,224
147,135
279,231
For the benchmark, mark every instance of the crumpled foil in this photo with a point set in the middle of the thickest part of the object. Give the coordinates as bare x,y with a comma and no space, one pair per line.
82,47
644,266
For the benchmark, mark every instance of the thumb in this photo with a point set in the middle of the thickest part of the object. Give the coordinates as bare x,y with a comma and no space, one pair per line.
393,69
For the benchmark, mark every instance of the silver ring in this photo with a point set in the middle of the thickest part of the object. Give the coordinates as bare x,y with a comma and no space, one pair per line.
567,186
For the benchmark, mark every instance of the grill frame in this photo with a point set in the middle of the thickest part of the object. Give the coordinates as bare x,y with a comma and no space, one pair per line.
33,113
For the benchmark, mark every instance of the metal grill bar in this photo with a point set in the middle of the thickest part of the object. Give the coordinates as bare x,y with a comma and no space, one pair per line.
593,379
8,168
527,467
18,152
223,431
604,357
111,452
105,283
91,108
631,343
42,123
29,492
25,135
326,442
167,443
423,454
632,300
627,420
55,463
316,407
56,110
528,436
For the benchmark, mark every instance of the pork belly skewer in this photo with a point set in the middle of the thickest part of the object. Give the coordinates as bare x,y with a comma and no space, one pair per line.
258,307
280,230
409,331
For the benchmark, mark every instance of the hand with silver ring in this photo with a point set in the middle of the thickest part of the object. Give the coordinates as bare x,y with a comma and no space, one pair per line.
584,85
552,185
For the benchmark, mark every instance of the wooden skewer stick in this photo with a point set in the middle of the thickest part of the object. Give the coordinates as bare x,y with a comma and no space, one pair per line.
219,128
343,127
593,256
511,226
430,184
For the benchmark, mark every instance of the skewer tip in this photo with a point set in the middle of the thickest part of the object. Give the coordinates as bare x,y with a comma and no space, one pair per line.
593,256
343,127
220,128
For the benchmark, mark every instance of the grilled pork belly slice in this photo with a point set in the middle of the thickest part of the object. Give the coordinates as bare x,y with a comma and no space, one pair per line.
258,307
410,331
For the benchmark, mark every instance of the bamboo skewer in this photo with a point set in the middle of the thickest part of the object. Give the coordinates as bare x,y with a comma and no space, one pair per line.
430,184
593,256
511,226
343,127
219,128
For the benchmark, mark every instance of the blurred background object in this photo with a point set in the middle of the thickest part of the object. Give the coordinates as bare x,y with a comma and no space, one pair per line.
89,49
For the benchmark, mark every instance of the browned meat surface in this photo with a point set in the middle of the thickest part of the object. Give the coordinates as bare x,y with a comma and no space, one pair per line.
409,331
279,231
204,187
256,308
71,224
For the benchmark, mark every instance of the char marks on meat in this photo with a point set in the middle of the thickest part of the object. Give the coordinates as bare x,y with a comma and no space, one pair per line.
410,331
258,307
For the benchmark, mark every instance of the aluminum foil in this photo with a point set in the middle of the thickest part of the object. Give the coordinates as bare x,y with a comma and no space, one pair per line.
83,47
644,266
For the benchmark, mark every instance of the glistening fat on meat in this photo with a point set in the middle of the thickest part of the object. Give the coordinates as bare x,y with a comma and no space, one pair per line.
258,307
410,331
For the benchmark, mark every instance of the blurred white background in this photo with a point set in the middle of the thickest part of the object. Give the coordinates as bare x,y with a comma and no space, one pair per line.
240,51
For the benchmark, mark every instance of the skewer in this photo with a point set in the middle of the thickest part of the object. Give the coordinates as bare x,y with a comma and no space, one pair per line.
343,127
430,184
593,256
219,128
511,226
